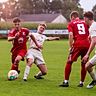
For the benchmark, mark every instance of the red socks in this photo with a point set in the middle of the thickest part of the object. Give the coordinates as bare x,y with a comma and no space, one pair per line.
67,71
14,67
83,72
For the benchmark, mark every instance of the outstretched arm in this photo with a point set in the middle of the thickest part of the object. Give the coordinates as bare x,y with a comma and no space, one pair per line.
53,38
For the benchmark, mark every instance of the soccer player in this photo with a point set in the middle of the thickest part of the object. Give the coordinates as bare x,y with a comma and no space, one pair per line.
34,55
88,17
18,36
79,44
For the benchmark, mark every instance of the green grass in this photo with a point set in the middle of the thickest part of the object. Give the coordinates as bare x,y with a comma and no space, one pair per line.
55,54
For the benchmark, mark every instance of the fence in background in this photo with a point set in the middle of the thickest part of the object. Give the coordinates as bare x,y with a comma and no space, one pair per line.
60,33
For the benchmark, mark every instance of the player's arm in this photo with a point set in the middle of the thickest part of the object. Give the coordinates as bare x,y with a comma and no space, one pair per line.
89,37
71,41
11,38
53,38
33,38
92,45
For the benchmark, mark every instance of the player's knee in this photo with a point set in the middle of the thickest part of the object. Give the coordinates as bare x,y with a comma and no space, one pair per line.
44,73
29,62
29,65
88,66
16,62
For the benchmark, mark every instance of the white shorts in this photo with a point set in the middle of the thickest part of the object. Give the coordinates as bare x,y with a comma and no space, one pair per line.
36,56
93,60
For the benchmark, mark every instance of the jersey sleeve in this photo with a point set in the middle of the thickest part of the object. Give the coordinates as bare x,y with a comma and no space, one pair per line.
27,31
92,31
11,33
69,27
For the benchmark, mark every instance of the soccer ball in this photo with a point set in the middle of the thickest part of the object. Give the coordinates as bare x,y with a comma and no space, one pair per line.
12,75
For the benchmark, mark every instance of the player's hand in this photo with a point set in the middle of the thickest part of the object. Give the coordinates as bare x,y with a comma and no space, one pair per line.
85,59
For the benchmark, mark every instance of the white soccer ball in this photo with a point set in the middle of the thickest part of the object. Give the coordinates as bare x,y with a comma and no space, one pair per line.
12,75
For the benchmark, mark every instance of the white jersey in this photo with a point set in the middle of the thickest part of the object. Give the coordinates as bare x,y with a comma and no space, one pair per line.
92,29
40,38
92,32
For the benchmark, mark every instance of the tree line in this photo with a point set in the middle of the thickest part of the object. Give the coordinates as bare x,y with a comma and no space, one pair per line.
13,8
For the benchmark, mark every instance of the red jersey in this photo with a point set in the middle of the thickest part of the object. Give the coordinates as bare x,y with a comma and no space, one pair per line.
80,32
20,42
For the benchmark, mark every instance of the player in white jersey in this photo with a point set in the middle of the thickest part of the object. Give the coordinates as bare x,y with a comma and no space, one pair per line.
34,55
88,17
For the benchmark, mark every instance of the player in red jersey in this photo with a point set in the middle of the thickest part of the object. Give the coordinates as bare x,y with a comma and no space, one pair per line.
79,44
18,36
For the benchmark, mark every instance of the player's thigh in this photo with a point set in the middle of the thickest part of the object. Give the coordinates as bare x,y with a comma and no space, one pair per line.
21,54
74,54
39,58
18,58
30,57
83,52
29,61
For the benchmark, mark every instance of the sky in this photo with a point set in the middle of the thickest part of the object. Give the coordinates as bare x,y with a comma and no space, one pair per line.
1,1
87,4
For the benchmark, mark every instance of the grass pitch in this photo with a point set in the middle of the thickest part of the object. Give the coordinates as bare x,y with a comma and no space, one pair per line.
55,54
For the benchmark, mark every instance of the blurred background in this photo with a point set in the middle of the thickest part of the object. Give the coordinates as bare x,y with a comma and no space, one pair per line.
53,12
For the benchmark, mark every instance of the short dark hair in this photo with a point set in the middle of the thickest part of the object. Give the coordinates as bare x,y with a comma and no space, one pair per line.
89,15
16,19
75,14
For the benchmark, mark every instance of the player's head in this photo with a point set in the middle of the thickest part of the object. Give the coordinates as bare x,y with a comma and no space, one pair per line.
16,22
41,28
88,17
74,15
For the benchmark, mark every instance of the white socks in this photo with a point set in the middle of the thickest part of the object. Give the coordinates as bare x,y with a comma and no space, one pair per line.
39,73
81,82
26,72
65,81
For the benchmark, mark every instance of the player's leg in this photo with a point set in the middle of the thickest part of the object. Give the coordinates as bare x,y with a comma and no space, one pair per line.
73,55
83,52
16,63
42,72
83,75
67,74
89,68
41,65
17,56
29,62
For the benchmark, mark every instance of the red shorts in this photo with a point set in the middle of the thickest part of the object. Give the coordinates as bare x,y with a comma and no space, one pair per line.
21,53
75,52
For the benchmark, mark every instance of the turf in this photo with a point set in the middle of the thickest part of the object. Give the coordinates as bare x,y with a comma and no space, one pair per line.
55,54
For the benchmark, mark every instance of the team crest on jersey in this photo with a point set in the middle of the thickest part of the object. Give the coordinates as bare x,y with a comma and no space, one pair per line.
20,40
